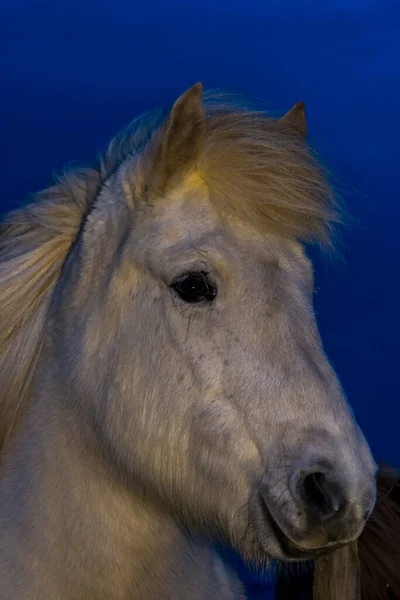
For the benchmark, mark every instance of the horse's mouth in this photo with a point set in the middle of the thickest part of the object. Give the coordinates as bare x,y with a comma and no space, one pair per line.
289,549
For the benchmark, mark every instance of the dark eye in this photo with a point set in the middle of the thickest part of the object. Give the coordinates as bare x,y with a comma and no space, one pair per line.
194,287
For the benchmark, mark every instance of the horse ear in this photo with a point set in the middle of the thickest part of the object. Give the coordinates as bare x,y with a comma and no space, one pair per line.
295,119
183,135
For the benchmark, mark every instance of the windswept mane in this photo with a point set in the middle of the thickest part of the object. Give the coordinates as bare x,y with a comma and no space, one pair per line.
254,168
34,242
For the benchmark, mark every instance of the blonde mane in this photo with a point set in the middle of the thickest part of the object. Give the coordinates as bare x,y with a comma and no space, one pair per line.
253,167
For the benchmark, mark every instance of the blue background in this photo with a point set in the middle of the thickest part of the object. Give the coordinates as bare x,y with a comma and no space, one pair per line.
73,73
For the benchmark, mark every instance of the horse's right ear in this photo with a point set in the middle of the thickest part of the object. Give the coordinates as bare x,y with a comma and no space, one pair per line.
182,136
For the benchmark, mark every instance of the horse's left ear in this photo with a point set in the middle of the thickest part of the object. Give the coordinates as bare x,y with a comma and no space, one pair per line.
295,119
183,135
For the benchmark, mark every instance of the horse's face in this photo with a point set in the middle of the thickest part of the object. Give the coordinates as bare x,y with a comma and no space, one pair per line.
191,339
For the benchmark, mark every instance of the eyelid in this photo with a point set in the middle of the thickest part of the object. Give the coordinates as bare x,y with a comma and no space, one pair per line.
191,266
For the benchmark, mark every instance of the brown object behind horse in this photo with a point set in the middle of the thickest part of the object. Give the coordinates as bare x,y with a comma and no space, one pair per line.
368,569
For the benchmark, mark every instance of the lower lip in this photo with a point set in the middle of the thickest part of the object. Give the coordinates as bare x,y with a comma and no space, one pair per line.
289,548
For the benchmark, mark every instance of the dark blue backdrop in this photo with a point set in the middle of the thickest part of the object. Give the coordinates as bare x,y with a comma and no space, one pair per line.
73,73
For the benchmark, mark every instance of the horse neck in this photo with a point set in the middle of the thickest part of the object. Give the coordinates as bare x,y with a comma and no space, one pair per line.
72,531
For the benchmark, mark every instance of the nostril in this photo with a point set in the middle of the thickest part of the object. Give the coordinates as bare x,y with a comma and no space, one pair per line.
314,492
323,496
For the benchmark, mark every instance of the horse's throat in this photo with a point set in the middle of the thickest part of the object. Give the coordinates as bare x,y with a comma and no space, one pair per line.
78,533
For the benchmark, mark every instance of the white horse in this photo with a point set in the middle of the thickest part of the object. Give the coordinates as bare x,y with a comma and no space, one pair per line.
163,382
